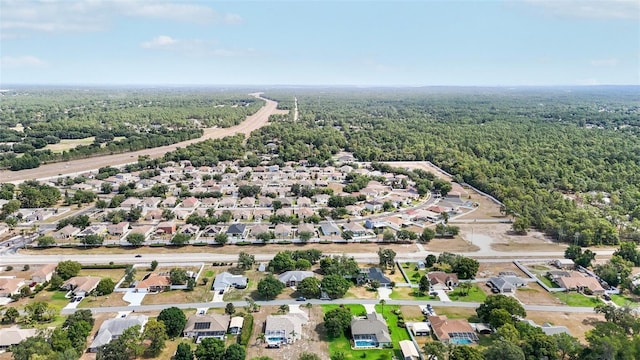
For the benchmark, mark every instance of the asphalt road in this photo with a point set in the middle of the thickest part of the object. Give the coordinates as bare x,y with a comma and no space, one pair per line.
73,167
473,305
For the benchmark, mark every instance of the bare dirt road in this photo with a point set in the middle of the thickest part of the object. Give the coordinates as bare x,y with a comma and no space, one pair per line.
253,122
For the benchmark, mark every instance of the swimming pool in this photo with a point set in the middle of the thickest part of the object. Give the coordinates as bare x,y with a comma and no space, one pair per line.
461,341
366,343
275,339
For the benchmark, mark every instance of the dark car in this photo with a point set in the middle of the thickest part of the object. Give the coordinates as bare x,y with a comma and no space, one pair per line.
301,298
138,256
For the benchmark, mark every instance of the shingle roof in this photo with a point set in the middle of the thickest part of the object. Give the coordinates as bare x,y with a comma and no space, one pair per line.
112,328
375,324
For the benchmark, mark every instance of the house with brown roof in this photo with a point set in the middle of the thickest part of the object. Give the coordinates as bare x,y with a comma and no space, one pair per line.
153,214
190,202
304,212
81,285
201,327
14,335
259,229
10,286
66,232
579,282
153,283
282,231
145,230
44,273
247,202
453,331
167,227
118,229
441,280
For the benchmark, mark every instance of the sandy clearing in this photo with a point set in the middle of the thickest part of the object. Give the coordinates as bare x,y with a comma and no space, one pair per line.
253,122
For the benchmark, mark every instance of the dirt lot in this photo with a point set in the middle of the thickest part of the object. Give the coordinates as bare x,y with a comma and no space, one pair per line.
312,334
488,270
577,324
456,244
504,240
534,294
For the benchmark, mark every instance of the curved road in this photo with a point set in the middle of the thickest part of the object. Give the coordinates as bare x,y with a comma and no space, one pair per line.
253,122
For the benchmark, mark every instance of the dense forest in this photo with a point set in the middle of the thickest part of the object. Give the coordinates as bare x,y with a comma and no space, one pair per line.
117,120
565,161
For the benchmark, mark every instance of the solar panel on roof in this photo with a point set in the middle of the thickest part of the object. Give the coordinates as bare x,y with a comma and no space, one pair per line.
201,325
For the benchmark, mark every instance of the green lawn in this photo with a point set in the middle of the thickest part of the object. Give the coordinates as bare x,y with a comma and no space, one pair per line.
409,294
209,273
576,299
474,295
547,281
622,300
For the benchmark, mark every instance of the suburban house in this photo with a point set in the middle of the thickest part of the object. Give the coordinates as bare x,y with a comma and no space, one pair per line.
10,286
226,280
409,350
153,283
564,264
421,328
284,329
453,331
167,227
441,280
211,231
111,329
236,324
145,230
98,230
370,331
13,336
282,231
329,229
66,232
579,282
44,273
199,327
356,229
549,329
374,274
506,284
190,202
118,229
292,278
237,230
81,285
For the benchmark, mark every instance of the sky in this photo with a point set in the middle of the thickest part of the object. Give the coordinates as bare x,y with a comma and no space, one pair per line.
352,43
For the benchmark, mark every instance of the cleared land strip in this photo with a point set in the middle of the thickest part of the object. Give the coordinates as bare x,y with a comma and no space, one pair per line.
253,122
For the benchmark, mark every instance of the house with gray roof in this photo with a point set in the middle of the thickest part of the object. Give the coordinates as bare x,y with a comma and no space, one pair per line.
111,329
200,327
506,284
370,331
293,278
329,229
374,274
226,280
237,230
13,336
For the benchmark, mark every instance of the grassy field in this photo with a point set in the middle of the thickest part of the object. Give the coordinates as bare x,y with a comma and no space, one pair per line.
622,300
405,293
474,295
547,281
576,299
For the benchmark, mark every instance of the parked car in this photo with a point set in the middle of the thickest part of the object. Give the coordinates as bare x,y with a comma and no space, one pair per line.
606,297
301,298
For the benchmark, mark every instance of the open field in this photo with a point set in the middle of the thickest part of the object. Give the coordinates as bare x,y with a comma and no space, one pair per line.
456,244
487,270
67,144
534,294
577,299
577,324
199,294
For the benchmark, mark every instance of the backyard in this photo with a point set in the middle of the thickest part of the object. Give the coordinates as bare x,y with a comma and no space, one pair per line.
577,299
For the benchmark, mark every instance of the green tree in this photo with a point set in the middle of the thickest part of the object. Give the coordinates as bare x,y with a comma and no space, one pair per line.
221,238
503,350
424,284
435,350
154,265
387,257
465,353
245,261
68,269
465,267
174,321
105,286
183,352
282,261
337,321
44,241
180,239
269,287
178,276
430,260
309,356
427,235
210,349
229,309
55,282
303,264
499,301
10,316
568,346
135,239
235,352
40,311
335,285
32,347
155,331
305,236
309,287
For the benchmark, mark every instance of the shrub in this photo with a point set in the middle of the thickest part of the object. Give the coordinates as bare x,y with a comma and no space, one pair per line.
247,329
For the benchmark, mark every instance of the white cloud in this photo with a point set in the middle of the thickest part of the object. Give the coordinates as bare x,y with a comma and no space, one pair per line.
610,62
96,15
593,9
192,47
27,61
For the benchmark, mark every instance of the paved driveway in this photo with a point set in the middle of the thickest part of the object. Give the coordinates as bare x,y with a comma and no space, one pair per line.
442,295
133,298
